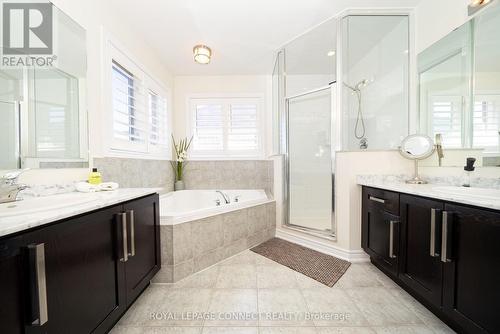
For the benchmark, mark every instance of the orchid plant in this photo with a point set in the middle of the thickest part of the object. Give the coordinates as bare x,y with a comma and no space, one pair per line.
181,153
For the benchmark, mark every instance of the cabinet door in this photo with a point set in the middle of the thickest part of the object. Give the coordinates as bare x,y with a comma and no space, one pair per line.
143,244
84,274
380,235
420,266
471,255
12,286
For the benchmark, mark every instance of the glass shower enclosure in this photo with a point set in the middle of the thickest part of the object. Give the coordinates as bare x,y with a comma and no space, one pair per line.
338,87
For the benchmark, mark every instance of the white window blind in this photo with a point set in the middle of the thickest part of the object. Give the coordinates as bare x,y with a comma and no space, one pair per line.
446,119
158,136
140,122
227,127
129,116
486,122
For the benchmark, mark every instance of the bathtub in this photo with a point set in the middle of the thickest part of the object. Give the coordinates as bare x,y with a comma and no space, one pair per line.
187,205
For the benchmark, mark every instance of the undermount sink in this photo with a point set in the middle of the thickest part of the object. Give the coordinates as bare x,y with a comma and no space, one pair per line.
40,204
484,193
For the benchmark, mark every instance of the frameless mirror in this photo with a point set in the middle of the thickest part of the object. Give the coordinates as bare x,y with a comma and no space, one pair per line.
43,108
459,88
416,147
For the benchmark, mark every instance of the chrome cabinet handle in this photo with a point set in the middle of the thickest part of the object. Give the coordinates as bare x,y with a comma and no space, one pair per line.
38,284
376,199
132,233
124,236
433,238
391,239
446,238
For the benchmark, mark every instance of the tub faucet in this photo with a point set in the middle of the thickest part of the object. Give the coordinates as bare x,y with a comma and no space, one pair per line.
226,197
9,188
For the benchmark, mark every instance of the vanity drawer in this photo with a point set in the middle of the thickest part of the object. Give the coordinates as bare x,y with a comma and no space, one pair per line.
388,200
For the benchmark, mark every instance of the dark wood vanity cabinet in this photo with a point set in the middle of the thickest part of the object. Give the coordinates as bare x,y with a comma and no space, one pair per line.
420,264
89,282
448,256
471,282
380,230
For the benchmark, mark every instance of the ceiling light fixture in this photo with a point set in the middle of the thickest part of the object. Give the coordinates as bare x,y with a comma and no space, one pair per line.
476,5
331,53
202,54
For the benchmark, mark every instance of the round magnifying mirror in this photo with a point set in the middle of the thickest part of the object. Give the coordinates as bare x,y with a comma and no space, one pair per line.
416,147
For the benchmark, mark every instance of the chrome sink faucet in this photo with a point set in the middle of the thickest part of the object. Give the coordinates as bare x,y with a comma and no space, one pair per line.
226,197
9,188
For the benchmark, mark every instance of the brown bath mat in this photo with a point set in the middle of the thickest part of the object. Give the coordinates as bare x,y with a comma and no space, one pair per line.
323,268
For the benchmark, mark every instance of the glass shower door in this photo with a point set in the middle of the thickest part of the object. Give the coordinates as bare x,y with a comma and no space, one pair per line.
9,135
310,177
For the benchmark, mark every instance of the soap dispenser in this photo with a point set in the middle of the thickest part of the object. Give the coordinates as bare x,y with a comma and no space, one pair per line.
95,177
468,169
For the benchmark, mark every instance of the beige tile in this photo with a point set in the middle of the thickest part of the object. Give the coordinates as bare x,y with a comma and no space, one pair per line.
167,252
235,248
183,270
207,235
156,330
273,276
379,275
282,307
333,307
358,276
182,242
165,275
305,282
245,257
419,310
203,279
345,330
271,214
235,226
238,276
226,303
230,330
257,219
406,329
381,308
177,306
139,314
208,259
287,330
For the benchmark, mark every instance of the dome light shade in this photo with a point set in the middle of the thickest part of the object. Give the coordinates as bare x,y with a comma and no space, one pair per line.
202,54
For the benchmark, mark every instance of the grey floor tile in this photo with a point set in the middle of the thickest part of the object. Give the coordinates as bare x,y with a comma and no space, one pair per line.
275,277
358,275
238,276
283,307
230,330
381,308
246,257
233,307
333,307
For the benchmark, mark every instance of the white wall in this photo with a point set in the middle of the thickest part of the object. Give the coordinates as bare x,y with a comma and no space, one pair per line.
210,86
436,19
92,15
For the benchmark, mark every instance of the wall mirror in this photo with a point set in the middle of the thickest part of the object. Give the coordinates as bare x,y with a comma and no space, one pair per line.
43,110
459,90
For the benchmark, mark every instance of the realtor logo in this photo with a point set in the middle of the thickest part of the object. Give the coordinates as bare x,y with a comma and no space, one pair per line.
27,29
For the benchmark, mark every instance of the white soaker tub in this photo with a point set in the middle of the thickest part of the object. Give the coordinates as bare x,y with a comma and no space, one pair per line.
186,205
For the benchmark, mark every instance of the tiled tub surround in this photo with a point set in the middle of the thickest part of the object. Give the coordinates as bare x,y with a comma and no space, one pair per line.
192,246
199,174
230,174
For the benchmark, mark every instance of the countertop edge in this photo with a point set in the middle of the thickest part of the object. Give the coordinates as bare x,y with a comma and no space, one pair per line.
426,191
22,223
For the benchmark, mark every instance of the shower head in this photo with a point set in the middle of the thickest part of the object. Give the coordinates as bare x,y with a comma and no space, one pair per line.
357,87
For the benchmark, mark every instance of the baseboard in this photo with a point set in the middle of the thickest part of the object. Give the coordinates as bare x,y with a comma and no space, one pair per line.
323,247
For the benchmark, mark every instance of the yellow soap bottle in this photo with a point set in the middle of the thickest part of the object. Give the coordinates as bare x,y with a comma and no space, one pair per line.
95,177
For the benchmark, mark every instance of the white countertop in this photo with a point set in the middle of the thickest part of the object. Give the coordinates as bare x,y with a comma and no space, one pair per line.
396,184
17,223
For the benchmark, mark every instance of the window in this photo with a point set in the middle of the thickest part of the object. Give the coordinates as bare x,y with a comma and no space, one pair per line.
486,123
446,119
226,127
140,123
